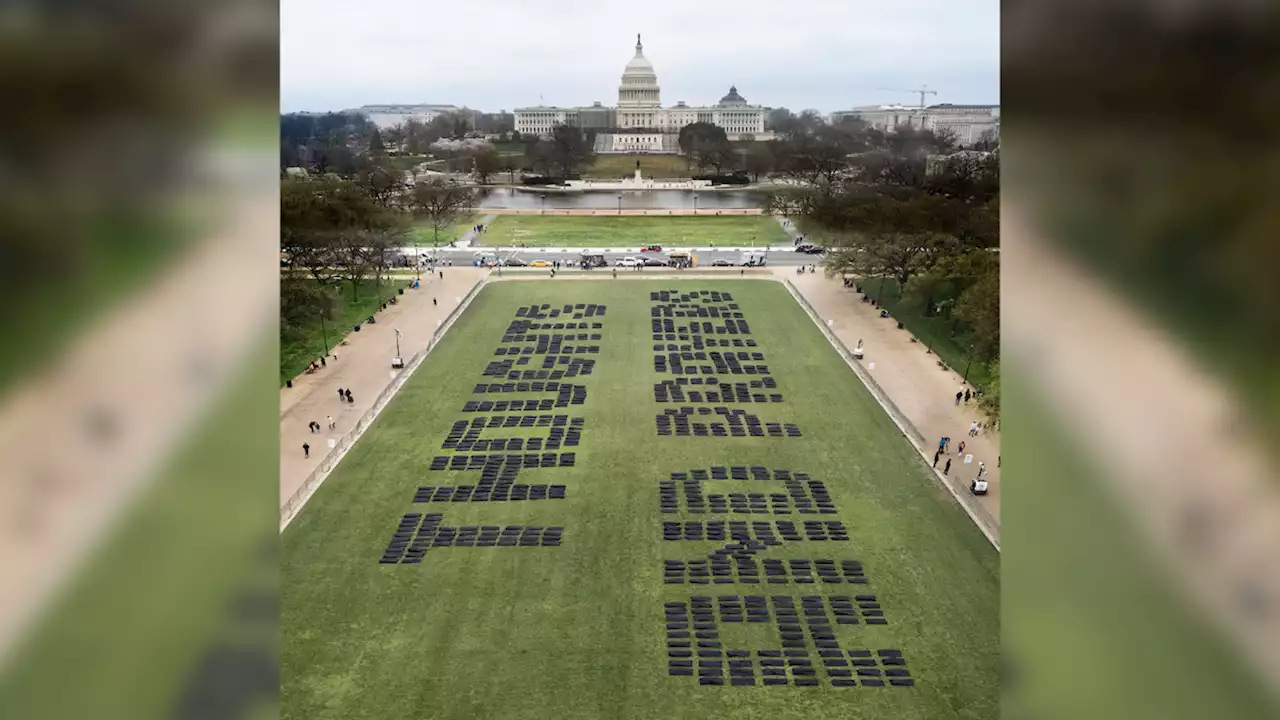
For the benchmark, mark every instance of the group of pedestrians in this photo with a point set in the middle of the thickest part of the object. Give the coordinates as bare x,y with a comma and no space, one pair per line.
979,484
964,394
344,395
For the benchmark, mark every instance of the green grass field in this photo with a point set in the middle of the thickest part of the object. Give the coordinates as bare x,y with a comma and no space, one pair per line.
426,235
577,631
634,231
651,166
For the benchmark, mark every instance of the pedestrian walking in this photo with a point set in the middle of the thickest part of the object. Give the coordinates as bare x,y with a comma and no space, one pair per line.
947,468
306,450
997,461
937,455
435,302
441,274
342,394
982,469
942,443
332,424
973,429
353,402
959,396
615,273
322,362
966,396
961,449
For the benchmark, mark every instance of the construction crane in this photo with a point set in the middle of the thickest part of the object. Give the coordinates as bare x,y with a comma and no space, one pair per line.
922,91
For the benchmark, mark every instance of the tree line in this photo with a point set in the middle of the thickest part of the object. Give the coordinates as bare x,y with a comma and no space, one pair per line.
336,230
903,206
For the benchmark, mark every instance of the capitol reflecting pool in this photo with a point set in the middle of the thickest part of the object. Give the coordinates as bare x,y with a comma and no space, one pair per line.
631,200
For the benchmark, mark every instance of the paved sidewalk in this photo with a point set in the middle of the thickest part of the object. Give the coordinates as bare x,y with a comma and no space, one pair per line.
910,377
363,365
84,435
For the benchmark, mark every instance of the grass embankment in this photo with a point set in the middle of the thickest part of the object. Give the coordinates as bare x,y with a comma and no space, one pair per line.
634,231
651,166
304,343
946,336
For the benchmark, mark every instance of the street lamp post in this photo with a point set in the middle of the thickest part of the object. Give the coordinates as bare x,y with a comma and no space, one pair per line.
417,261
544,203
619,204
967,365
397,342
695,203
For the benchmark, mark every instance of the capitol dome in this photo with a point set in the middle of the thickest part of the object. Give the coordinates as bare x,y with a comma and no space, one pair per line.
639,64
639,87
733,98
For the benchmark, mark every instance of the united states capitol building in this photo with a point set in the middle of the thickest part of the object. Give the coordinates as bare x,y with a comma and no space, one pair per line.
639,123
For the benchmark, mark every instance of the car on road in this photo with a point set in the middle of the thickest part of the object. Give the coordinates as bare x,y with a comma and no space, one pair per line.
810,249
629,262
651,248
721,262
654,262
540,263
514,262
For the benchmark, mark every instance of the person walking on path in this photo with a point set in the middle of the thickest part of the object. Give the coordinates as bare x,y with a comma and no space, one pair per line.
959,397
435,302
342,394
961,448
973,429
306,450
982,469
966,395
332,424
947,468
937,455
942,444
441,274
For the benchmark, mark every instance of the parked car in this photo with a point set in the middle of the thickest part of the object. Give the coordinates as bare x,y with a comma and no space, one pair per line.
628,262
654,262
515,262
651,248
540,263
810,249
721,262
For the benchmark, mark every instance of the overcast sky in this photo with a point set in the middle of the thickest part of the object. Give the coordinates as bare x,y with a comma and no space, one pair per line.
501,54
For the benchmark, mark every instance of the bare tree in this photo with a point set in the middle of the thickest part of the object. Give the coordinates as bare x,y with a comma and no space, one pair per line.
440,202
510,164
486,161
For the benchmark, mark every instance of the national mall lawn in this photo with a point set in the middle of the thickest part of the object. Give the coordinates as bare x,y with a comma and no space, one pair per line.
623,231
576,632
